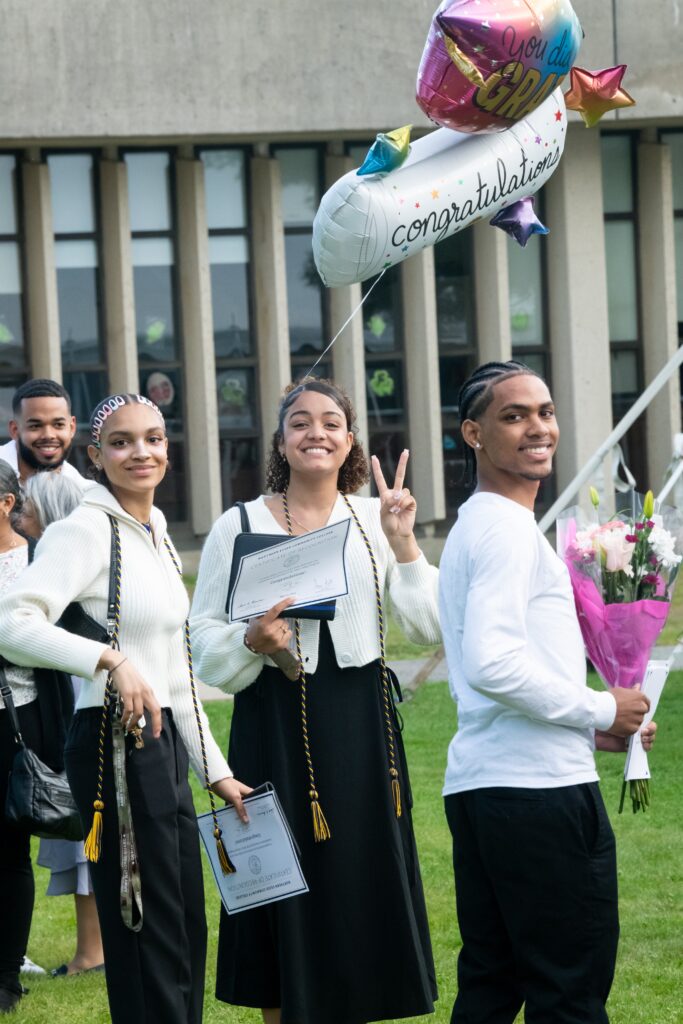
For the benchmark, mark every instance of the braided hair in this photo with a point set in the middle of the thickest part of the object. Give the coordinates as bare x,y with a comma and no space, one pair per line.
476,394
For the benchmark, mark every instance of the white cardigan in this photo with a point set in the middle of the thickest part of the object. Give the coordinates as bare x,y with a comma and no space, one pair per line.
71,563
220,655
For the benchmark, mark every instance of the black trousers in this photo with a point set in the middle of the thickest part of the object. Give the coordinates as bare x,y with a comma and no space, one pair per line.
536,895
156,975
16,872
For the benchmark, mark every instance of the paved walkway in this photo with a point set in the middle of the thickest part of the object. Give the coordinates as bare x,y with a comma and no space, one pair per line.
408,670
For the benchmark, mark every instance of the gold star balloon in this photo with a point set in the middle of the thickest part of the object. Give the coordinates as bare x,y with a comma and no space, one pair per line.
595,93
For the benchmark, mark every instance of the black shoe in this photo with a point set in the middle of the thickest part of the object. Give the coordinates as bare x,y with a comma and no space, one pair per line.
9,997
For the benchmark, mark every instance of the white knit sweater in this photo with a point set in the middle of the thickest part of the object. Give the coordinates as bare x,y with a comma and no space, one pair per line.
221,657
71,563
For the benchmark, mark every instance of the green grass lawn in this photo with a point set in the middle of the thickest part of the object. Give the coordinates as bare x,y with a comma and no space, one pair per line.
674,624
647,989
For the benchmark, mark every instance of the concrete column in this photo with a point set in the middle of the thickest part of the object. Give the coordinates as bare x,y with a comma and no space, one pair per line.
579,328
348,352
201,407
270,290
117,266
492,295
41,278
423,391
658,300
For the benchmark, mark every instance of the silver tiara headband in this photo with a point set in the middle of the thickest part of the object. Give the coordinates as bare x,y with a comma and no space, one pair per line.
111,405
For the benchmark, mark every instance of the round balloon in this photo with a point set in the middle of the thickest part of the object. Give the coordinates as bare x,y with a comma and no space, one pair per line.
449,180
489,63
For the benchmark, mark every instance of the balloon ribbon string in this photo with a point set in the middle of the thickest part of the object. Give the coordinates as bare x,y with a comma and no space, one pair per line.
347,321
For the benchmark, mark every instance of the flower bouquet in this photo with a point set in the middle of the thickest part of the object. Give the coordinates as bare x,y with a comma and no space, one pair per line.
623,573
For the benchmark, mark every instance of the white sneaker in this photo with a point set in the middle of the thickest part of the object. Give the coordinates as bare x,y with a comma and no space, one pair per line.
28,967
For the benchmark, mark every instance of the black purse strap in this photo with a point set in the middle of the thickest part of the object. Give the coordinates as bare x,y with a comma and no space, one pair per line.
6,692
244,517
114,571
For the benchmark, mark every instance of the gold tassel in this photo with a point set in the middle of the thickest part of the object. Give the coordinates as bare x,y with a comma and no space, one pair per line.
321,830
227,866
396,792
92,846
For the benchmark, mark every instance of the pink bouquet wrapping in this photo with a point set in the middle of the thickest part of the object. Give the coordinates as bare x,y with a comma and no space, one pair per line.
622,573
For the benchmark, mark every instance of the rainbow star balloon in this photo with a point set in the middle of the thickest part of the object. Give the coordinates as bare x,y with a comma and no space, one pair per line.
595,93
387,152
489,63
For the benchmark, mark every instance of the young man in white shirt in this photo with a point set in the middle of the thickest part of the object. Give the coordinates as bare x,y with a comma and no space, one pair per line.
42,430
533,849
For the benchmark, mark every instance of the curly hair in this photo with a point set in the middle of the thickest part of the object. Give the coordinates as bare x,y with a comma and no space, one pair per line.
355,470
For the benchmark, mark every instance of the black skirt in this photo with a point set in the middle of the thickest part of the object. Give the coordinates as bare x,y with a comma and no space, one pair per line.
356,948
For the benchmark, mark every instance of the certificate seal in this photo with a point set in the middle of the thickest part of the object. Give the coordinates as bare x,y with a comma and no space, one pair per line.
254,864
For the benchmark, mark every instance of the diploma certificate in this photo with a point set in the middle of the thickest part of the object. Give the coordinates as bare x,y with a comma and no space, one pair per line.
311,569
263,851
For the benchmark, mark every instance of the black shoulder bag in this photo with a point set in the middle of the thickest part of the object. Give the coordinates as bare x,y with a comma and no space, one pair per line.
38,798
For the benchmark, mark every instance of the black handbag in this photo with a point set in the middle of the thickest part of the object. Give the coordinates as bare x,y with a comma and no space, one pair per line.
38,799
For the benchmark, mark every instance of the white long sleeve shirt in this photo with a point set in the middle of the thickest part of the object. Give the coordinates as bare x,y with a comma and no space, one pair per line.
220,655
516,663
71,563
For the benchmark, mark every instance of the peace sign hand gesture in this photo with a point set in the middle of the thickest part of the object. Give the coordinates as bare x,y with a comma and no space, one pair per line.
397,510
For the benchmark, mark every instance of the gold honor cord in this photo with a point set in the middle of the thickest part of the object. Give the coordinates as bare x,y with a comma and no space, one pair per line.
386,691
92,846
130,888
321,830
227,866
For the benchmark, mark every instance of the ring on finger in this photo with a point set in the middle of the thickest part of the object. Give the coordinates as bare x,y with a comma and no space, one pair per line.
129,720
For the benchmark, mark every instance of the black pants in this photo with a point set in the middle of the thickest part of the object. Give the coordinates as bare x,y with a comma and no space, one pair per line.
536,895
16,872
156,975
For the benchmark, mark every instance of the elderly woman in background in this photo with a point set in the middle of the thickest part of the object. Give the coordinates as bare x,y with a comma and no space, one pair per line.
49,497
44,705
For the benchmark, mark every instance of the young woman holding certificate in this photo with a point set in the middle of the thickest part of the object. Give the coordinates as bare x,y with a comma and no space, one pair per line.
128,776
355,948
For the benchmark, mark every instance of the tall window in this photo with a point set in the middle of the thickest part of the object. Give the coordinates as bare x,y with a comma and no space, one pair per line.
13,357
301,177
79,289
384,360
384,371
529,333
674,140
234,341
621,229
151,198
453,267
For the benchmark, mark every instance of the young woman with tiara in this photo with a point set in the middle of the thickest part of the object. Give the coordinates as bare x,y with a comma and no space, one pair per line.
128,764
356,947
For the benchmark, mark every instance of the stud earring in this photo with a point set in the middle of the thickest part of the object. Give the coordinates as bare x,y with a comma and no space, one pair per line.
477,445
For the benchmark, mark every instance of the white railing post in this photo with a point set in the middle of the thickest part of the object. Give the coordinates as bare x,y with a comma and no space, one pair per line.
595,460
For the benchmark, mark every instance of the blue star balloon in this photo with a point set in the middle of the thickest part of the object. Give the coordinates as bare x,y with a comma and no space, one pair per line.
519,220
387,152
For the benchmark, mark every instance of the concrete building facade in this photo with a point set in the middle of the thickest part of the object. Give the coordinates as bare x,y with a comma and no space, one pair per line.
160,167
